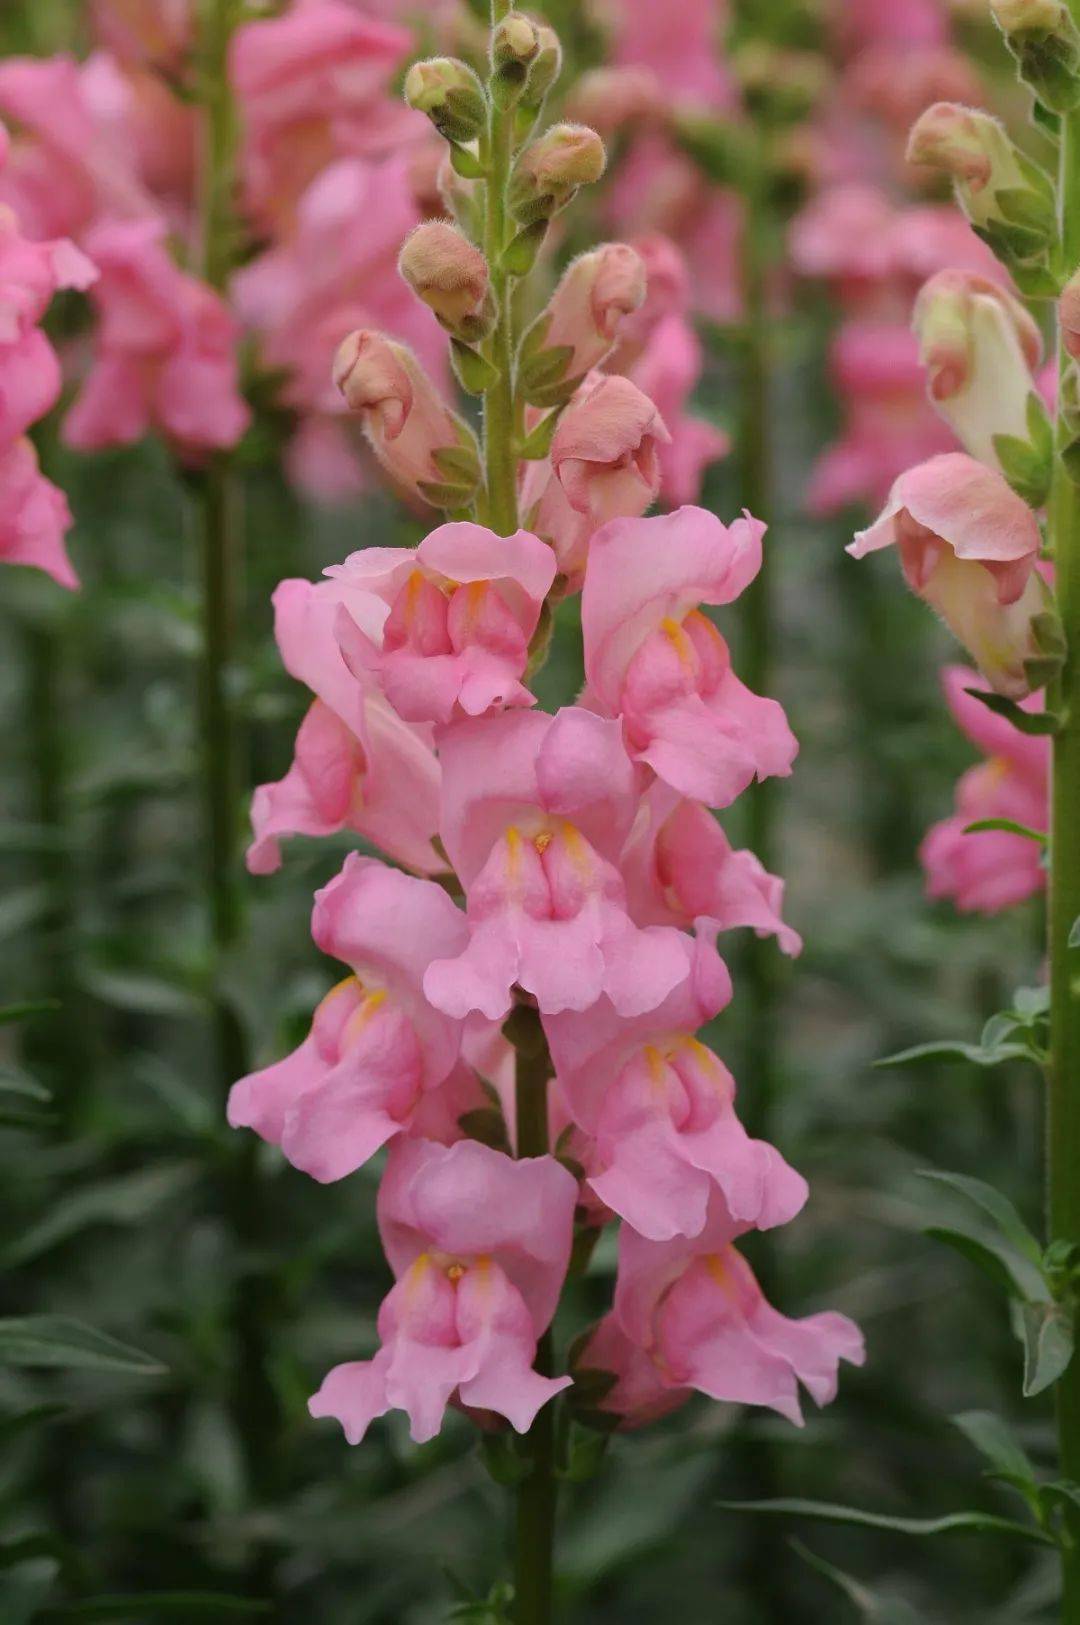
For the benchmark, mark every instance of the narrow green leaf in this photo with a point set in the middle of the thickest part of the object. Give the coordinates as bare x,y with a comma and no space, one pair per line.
1026,722
955,1050
1049,1340
1074,933
57,1340
128,1199
147,1606
990,1436
519,256
872,1609
28,1007
475,374
1005,1268
537,442
993,1203
466,163
1007,826
951,1523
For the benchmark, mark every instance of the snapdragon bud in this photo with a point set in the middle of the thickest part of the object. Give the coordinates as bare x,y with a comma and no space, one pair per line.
545,67
1006,197
515,44
425,447
550,170
1045,41
452,278
1069,315
451,96
980,348
582,322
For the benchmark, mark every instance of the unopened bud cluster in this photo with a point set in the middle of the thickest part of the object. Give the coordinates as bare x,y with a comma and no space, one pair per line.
1045,41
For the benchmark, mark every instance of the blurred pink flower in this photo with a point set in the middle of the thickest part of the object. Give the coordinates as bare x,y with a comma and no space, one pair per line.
991,869
34,514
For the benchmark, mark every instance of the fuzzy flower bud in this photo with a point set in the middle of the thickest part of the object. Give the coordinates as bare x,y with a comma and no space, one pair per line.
1069,315
1045,41
581,323
514,43
985,167
980,348
450,94
550,170
423,446
451,276
546,65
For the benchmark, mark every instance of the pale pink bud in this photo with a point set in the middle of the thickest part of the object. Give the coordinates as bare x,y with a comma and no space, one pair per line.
606,450
974,150
584,315
424,446
443,269
980,348
550,170
1029,16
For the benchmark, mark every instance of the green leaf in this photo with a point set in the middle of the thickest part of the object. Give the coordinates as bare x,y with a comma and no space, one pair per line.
1025,468
128,1199
58,1341
28,1007
475,373
1027,722
1001,1264
586,1454
1007,826
951,1523
995,1205
37,1416
504,1461
993,1439
873,1609
1074,934
519,256
537,442
1049,1340
955,1050
466,163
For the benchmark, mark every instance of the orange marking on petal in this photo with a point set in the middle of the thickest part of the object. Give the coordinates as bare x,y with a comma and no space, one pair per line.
543,841
676,632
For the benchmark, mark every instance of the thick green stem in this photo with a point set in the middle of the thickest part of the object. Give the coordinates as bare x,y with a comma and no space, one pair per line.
1063,1105
535,1526
500,454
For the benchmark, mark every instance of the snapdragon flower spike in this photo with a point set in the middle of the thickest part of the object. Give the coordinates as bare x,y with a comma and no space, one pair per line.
968,547
653,659
357,765
479,1245
376,1046
463,608
604,463
426,449
660,1107
581,323
981,350
989,870
696,1310
680,867
535,810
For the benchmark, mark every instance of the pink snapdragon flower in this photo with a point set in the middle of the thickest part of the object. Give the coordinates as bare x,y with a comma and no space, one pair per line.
627,1383
695,1308
586,315
34,515
968,546
660,1108
535,810
653,659
164,351
156,33
990,870
463,607
357,765
688,59
862,23
312,86
680,867
31,273
604,462
479,1246
667,372
376,1047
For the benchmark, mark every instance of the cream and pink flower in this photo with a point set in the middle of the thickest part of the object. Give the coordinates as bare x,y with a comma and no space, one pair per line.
479,1245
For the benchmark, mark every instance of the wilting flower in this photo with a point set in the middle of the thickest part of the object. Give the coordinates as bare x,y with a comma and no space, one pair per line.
479,1246
660,1108
376,1047
988,870
653,659
535,810
463,608
968,546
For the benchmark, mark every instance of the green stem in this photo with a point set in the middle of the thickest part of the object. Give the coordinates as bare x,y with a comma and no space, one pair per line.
1063,1105
500,454
536,1496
